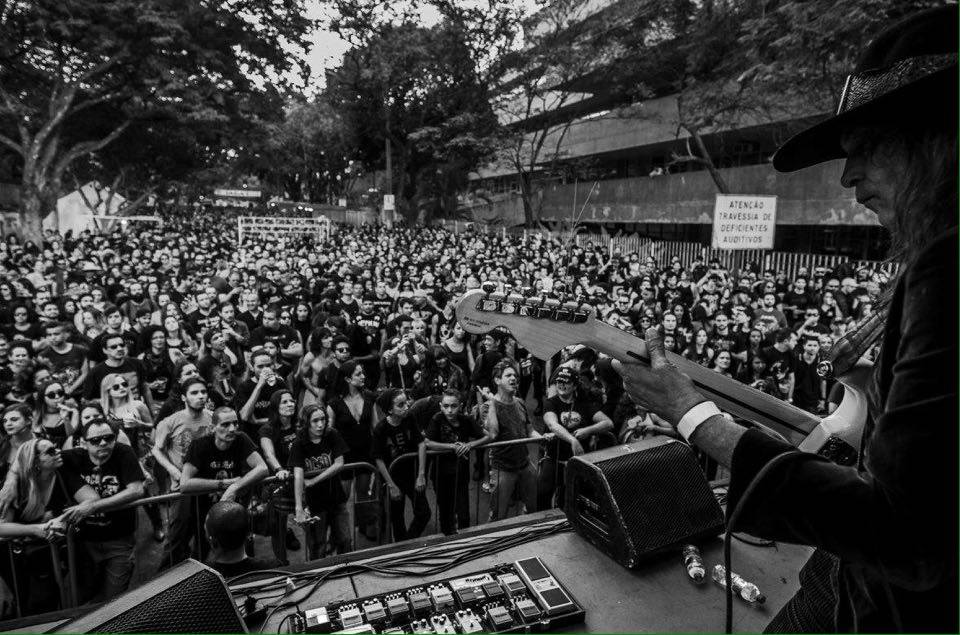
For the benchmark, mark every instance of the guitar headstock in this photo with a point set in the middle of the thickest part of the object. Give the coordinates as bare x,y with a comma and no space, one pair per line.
541,324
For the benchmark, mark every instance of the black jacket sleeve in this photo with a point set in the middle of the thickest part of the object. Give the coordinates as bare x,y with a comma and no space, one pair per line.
898,517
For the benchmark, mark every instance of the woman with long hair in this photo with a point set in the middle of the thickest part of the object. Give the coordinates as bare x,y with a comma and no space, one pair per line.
301,320
90,322
17,430
317,456
699,351
352,412
179,342
723,363
56,416
38,499
157,361
458,349
116,400
276,437
438,374
312,366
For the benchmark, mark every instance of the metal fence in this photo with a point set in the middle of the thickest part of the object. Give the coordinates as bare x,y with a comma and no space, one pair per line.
63,552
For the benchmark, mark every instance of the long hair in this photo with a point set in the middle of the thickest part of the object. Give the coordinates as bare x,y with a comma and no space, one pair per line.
926,205
275,409
304,433
344,373
105,399
30,500
40,404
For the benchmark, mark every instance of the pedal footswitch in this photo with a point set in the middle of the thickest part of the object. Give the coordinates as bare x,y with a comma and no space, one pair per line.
350,616
544,586
527,609
498,616
374,611
397,606
441,596
511,583
419,601
316,621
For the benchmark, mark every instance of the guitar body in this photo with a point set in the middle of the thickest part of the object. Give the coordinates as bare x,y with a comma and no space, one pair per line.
545,325
839,435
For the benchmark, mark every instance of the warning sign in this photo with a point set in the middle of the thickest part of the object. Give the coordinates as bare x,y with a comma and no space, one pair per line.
744,222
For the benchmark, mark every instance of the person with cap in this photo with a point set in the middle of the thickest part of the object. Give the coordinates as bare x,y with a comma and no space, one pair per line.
885,531
574,419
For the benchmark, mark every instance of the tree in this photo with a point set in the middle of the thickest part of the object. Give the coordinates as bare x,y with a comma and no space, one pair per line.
77,75
537,101
412,96
732,62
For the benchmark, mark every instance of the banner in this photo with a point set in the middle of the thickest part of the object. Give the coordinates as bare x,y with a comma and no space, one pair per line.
741,221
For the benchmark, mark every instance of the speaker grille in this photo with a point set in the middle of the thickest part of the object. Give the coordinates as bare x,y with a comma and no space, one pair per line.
190,598
645,486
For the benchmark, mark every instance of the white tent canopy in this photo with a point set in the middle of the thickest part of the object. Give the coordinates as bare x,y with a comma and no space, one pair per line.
75,213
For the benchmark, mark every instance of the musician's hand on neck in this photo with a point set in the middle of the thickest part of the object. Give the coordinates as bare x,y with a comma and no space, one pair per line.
661,387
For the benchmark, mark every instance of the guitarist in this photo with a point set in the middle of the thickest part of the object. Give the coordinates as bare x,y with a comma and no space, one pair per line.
886,531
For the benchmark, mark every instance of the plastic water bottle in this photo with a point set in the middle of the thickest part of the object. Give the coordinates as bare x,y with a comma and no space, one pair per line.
746,590
694,563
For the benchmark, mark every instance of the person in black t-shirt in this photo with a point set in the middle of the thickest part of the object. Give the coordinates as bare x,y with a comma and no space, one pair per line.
285,337
222,465
227,527
781,355
809,388
252,399
458,434
319,498
133,370
574,421
100,477
276,437
392,437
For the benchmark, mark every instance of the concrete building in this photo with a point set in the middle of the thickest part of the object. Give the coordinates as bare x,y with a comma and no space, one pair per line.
619,170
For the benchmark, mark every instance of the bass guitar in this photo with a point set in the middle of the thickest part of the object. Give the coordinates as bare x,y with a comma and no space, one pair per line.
544,325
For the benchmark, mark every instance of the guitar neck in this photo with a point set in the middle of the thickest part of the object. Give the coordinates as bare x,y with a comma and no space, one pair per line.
730,395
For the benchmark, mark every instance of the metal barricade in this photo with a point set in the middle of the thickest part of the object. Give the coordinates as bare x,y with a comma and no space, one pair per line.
478,456
373,498
16,547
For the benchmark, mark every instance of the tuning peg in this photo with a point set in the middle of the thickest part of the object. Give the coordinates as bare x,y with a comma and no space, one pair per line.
488,287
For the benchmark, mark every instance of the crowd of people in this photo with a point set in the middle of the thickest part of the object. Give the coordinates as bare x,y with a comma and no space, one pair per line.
168,358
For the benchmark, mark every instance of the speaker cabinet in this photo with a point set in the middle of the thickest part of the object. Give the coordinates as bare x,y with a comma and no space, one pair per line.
637,500
189,598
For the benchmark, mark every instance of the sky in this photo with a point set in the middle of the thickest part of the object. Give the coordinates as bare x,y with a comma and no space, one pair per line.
328,48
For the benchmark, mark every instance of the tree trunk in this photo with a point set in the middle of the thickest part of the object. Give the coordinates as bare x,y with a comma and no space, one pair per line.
525,195
31,215
718,179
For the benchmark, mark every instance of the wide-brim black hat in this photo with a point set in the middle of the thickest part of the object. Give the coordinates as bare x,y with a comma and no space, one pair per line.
908,72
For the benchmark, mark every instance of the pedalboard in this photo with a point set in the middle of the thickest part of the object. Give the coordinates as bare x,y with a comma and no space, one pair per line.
522,597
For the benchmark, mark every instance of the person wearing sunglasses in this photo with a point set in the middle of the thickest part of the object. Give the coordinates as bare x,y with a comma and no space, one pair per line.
117,361
39,499
99,478
56,417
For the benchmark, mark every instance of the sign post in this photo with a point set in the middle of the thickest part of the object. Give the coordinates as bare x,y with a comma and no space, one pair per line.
389,209
742,221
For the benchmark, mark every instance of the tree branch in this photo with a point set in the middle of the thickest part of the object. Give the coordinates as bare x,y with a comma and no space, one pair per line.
86,147
10,143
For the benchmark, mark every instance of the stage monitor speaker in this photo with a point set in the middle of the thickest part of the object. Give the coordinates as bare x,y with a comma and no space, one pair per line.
637,500
189,598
